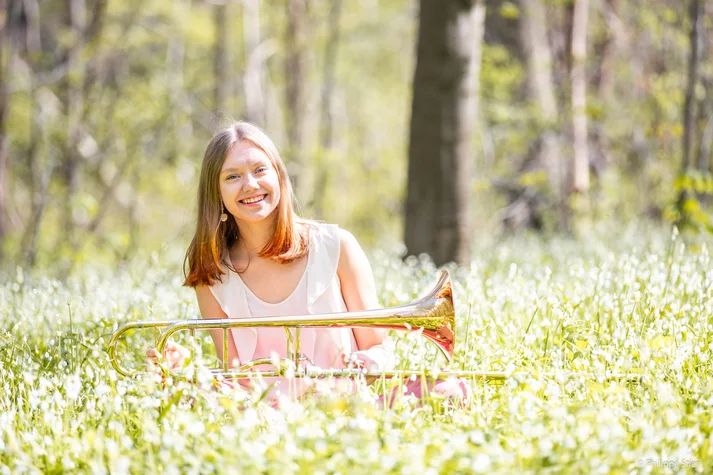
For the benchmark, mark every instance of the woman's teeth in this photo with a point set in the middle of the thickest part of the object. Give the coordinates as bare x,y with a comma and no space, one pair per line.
253,200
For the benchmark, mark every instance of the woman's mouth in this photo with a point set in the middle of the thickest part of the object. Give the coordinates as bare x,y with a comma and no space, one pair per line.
253,200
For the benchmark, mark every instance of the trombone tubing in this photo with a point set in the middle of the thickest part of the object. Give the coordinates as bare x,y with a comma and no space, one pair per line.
433,316
366,318
113,357
317,372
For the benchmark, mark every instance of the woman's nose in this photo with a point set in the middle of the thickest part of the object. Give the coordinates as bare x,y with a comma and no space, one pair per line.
250,183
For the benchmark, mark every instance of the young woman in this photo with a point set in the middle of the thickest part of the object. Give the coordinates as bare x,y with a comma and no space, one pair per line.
251,255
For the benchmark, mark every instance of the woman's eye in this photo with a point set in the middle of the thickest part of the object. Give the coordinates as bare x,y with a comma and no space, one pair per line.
232,177
261,170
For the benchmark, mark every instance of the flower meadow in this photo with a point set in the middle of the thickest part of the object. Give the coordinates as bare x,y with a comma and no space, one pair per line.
564,314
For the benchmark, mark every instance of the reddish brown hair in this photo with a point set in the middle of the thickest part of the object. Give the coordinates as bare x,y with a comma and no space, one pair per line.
207,256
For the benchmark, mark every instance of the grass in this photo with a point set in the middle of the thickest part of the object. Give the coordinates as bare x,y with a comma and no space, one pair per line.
611,303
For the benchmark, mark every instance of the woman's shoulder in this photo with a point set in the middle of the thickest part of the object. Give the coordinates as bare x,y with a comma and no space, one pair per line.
331,234
224,282
320,230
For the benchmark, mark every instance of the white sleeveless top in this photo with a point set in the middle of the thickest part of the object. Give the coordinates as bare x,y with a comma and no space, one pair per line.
273,339
318,291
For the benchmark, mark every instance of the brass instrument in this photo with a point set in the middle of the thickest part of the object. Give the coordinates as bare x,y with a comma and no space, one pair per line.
433,316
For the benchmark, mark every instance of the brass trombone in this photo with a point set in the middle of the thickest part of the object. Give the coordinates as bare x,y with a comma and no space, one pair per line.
433,316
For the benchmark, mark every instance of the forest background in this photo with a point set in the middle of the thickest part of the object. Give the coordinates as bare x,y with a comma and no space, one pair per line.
430,124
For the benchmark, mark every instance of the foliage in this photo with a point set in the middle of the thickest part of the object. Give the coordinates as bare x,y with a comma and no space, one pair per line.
147,110
694,189
622,300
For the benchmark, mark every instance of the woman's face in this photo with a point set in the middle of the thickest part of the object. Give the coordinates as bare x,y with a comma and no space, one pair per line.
249,184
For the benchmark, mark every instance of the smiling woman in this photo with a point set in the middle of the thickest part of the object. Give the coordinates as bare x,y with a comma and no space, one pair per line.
253,256
240,163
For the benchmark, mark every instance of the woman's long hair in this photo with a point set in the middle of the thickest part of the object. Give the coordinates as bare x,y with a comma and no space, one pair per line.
207,256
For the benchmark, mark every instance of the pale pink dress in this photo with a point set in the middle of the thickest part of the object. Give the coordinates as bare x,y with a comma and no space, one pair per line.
318,291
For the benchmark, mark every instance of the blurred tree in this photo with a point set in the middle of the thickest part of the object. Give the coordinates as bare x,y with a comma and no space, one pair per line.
705,110
175,67
256,53
6,61
694,65
445,93
72,95
580,27
222,65
39,175
296,90
604,82
326,130
688,207
527,201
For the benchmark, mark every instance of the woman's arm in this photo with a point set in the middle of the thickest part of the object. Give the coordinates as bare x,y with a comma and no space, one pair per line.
210,309
359,293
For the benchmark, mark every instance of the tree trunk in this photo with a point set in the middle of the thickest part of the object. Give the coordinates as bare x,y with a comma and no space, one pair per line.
694,61
546,150
706,147
295,66
440,151
689,106
175,58
326,132
533,35
223,90
133,212
253,83
706,107
610,48
40,176
579,97
4,167
604,82
74,109
6,60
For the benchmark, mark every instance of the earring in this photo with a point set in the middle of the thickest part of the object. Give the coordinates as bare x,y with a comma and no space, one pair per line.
223,217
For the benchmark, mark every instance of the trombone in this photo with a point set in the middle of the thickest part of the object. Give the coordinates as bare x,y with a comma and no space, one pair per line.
433,316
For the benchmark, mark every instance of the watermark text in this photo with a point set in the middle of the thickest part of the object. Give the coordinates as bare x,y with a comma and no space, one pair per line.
668,463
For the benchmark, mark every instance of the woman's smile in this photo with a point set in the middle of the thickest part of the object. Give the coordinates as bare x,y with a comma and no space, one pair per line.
253,200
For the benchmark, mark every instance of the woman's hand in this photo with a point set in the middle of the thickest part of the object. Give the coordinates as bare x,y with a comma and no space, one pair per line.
361,360
173,353
366,360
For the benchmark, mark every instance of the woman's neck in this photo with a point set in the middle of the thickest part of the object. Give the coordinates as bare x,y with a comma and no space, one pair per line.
254,236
